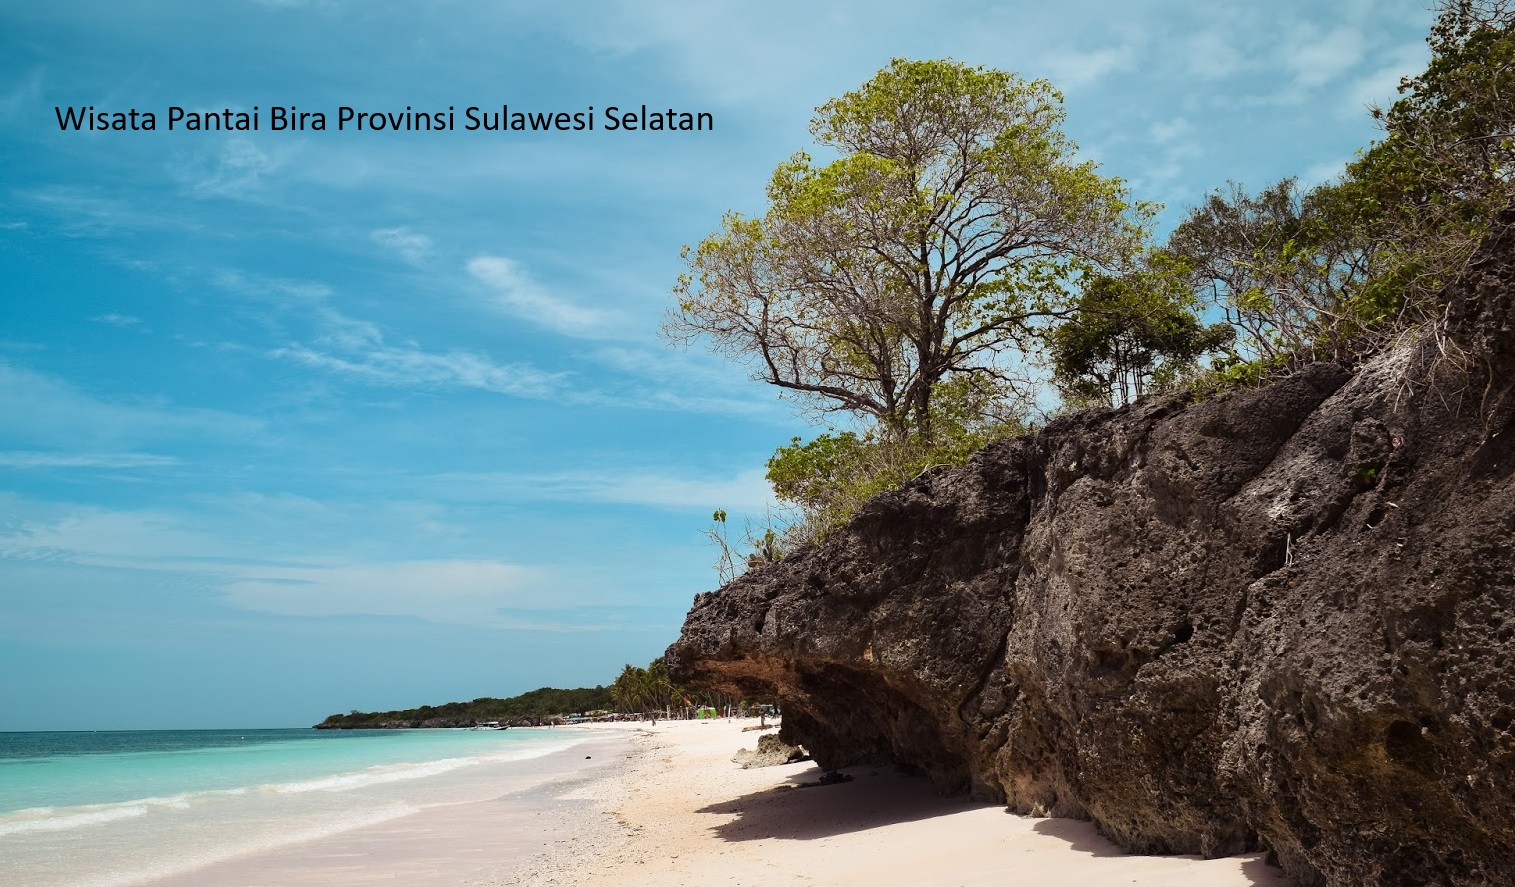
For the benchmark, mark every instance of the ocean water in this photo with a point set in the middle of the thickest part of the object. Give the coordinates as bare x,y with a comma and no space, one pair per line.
115,809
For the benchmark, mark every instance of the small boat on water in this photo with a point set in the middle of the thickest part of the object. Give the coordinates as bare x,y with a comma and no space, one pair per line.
490,725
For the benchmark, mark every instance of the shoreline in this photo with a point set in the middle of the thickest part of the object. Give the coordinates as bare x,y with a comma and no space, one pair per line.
527,814
666,806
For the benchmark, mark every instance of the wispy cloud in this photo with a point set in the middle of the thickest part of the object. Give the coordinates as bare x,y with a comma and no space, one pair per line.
1074,69
137,539
1316,58
1381,85
30,459
412,368
683,381
412,246
236,170
462,592
515,292
747,491
1174,145
472,592
358,349
42,409
125,321
22,94
1166,131
83,212
1212,54
273,288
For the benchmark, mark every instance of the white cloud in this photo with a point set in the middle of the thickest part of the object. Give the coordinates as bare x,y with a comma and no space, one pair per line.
473,592
237,170
1165,131
125,321
746,492
357,348
412,246
43,409
27,459
24,93
100,537
683,381
518,294
274,288
463,592
1071,69
82,212
1316,59
718,46
1212,55
1381,86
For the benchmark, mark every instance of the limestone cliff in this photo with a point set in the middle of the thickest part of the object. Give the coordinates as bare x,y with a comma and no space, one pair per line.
1280,618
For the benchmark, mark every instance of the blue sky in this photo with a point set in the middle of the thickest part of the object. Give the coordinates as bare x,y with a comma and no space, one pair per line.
293,423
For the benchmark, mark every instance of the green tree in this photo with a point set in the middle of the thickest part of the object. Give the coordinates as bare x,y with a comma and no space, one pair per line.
934,248
1432,187
661,691
1341,269
829,477
1127,332
631,689
1286,268
644,689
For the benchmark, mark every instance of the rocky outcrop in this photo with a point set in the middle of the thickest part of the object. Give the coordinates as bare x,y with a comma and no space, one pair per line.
1282,618
771,751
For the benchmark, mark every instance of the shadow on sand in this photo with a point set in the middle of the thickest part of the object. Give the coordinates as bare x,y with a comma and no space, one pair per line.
879,796
1083,837
876,796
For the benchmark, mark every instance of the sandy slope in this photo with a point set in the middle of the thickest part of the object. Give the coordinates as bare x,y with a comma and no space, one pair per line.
688,815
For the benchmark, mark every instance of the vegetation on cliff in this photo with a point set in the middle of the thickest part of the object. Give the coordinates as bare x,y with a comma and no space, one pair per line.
1275,619
956,269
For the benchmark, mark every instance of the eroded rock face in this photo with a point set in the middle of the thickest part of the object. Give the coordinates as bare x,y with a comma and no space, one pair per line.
1281,618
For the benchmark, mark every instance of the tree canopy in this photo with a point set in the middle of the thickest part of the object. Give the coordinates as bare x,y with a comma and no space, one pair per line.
1339,269
951,249
945,232
1127,333
645,689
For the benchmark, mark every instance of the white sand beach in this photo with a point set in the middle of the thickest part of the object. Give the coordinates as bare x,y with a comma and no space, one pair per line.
687,814
636,804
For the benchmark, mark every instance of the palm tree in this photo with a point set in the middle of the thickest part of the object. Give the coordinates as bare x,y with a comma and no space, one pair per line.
630,689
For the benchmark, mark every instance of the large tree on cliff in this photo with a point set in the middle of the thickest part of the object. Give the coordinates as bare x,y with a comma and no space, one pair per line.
921,260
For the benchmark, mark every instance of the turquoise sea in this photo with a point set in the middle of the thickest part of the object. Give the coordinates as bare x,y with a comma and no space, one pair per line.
113,809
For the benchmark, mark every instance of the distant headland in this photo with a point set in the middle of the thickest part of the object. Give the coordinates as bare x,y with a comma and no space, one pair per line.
545,705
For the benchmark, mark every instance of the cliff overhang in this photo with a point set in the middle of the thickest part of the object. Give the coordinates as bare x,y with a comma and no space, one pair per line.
1280,618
